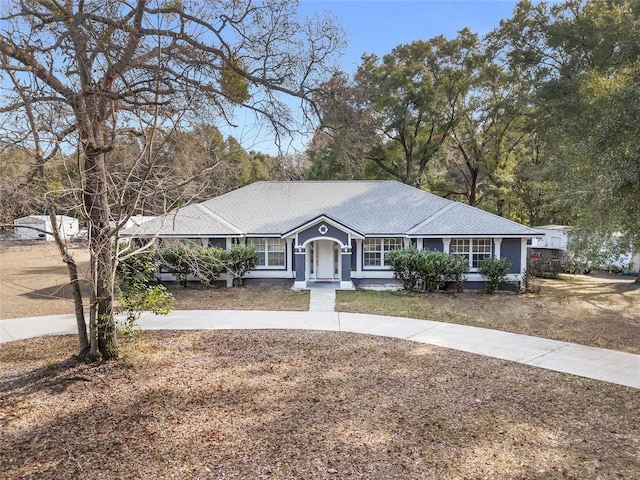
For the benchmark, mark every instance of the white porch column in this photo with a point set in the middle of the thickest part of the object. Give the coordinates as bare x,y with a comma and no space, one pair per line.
419,244
289,257
497,241
358,254
446,244
229,245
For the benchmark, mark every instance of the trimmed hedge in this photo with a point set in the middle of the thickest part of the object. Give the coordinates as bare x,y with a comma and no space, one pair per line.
412,266
208,264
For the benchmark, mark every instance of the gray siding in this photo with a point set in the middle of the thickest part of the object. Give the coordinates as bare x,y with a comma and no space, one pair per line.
346,266
354,255
511,249
332,233
300,263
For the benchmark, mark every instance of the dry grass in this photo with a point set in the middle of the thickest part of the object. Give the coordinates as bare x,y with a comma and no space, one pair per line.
303,405
248,297
597,311
34,281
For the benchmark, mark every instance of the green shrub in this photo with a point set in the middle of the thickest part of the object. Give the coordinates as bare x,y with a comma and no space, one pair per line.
405,266
208,264
494,271
432,268
137,290
410,266
239,260
174,259
456,271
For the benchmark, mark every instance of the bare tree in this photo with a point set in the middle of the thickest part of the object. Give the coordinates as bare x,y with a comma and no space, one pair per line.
81,75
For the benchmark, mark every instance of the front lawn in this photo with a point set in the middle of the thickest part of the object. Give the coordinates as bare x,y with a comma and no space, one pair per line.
599,311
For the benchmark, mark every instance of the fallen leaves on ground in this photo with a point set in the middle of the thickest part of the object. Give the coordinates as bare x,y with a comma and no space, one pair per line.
304,405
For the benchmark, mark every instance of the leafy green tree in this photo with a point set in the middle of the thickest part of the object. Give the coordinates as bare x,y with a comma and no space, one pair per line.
582,57
399,110
479,154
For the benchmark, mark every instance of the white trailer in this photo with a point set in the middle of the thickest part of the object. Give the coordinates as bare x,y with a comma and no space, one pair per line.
39,227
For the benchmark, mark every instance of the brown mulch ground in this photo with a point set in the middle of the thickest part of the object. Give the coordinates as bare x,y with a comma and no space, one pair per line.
303,405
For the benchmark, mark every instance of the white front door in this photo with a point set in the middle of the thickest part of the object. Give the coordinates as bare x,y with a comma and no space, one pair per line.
325,260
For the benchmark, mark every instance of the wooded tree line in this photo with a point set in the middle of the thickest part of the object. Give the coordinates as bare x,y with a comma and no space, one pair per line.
533,122
191,166
537,121
111,108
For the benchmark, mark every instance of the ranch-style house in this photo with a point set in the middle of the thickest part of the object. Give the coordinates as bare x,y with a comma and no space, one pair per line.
339,231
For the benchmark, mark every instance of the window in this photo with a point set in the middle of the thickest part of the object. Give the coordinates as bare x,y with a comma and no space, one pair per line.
460,246
271,251
376,248
481,250
474,250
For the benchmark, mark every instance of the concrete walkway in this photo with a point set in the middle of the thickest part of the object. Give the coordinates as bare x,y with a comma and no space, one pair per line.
596,363
322,300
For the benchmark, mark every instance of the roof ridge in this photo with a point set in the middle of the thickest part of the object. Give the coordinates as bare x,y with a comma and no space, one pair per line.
431,218
207,211
500,217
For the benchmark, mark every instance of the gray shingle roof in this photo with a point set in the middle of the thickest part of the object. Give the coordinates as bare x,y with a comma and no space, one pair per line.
382,207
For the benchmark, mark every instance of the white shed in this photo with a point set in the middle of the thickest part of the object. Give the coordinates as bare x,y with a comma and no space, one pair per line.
38,227
555,236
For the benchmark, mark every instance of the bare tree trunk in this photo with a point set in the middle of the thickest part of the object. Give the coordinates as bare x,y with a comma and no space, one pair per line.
72,267
96,203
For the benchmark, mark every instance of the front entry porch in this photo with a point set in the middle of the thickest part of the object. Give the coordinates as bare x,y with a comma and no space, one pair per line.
323,264
323,261
322,254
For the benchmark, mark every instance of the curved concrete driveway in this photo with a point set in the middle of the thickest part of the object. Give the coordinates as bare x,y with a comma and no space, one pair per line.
590,362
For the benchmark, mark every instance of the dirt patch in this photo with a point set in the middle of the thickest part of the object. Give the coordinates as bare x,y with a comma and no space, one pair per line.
247,297
34,280
284,405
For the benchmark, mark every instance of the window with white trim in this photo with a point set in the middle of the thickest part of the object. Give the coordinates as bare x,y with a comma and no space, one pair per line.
473,249
374,250
271,251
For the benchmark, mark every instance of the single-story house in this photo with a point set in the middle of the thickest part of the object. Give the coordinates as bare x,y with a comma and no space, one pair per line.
339,231
39,227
